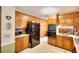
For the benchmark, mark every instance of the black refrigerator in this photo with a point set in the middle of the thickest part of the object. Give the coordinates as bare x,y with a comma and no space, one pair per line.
33,29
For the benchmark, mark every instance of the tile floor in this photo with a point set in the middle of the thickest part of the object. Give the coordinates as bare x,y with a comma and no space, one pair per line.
44,47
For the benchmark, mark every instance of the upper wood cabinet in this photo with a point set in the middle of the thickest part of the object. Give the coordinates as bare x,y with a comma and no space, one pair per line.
52,19
76,22
17,19
66,20
21,20
69,19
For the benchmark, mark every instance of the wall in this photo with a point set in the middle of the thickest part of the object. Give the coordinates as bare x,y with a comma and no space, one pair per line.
43,28
8,35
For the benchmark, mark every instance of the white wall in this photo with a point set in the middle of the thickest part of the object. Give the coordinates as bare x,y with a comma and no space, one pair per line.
8,36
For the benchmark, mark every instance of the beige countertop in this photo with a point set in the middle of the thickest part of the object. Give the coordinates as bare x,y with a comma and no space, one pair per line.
22,35
68,35
77,48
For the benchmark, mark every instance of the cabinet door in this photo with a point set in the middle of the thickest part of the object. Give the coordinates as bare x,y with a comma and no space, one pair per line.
61,21
25,42
24,19
59,41
21,20
52,40
17,19
17,45
52,19
68,44
64,19
76,22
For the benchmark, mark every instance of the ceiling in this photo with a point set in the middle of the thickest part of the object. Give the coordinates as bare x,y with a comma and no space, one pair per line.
41,11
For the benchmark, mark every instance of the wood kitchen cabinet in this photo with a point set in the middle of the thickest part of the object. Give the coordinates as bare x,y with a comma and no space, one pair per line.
52,19
17,19
76,23
52,40
65,20
68,43
17,45
21,20
60,41
25,42
69,19
21,43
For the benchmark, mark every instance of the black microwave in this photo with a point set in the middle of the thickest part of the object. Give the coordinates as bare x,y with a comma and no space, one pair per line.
19,32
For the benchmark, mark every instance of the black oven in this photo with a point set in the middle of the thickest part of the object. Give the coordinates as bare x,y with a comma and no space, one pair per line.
52,30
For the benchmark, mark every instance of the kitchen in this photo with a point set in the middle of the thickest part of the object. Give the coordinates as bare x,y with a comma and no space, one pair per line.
54,27
30,29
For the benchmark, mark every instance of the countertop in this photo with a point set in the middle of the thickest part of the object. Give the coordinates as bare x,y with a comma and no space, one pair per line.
68,35
22,35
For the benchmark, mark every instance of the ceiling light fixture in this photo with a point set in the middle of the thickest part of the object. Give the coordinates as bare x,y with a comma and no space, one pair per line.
49,11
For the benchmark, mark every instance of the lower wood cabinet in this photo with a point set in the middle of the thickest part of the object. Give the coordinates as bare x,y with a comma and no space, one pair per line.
62,42
52,40
17,45
21,43
68,44
25,42
59,41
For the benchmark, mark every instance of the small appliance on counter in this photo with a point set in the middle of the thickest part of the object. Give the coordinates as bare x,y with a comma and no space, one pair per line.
19,31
